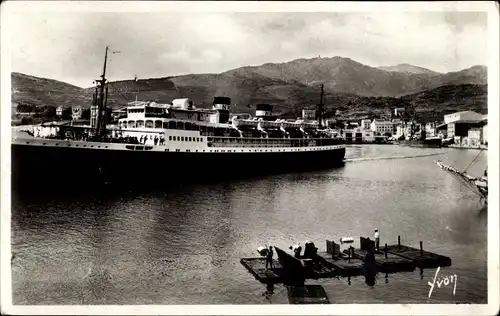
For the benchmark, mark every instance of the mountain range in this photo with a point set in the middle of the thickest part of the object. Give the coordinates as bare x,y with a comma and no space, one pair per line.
407,68
350,85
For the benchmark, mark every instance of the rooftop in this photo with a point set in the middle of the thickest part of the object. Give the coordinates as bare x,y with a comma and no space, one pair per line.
468,121
462,112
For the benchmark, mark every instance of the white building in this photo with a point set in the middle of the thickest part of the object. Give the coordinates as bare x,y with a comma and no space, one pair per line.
430,129
308,114
76,112
359,135
368,136
381,126
400,131
366,124
399,112
474,137
460,122
463,116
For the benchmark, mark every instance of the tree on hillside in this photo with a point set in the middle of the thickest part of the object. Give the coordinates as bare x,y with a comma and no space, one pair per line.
86,114
66,114
49,112
26,120
25,108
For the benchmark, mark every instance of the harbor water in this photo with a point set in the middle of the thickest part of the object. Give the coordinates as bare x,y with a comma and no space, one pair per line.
182,244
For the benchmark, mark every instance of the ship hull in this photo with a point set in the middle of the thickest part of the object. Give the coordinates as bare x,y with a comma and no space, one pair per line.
67,167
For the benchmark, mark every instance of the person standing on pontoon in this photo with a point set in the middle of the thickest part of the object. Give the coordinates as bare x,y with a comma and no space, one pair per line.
269,258
377,240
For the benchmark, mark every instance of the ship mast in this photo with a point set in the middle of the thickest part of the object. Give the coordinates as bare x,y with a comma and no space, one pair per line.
320,107
98,124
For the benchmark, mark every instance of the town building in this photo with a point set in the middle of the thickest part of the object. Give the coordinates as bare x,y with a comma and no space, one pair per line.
309,114
467,128
408,130
76,112
442,130
399,112
485,135
474,137
59,111
459,124
484,141
365,124
430,129
399,131
358,135
382,127
463,116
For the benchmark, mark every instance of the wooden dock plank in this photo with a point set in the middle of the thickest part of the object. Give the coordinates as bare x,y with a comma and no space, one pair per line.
341,265
423,259
320,271
257,267
392,263
293,272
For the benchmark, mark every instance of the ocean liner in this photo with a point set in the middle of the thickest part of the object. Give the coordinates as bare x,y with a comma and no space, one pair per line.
162,143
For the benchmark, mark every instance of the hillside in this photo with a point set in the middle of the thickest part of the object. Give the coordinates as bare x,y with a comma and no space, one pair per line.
344,75
407,68
30,90
290,86
429,105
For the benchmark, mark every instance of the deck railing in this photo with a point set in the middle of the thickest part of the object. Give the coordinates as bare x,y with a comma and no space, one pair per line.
271,142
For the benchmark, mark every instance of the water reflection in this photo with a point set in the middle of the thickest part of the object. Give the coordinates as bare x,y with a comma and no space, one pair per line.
269,291
370,278
185,240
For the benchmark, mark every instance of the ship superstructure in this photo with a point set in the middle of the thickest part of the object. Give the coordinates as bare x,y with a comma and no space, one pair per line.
157,140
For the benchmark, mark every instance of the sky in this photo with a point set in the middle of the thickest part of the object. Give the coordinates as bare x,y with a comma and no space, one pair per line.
69,46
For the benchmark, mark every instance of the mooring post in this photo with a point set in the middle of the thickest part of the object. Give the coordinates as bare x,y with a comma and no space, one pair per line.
385,250
399,242
421,248
349,254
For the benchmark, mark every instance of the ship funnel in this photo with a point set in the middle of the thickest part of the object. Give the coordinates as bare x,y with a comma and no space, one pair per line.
221,103
262,110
